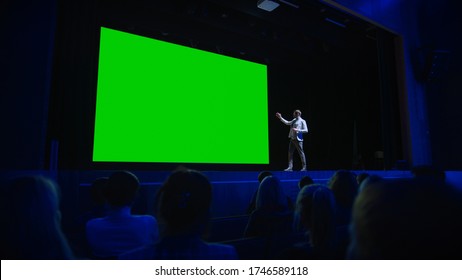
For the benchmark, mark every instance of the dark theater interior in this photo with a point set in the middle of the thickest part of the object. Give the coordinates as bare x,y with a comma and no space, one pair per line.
150,128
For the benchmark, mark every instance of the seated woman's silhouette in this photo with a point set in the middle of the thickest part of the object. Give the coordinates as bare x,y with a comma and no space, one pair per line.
272,215
315,216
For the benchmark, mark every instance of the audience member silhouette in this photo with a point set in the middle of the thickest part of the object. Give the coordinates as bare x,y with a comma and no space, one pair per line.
99,205
120,231
368,180
262,175
305,181
315,215
407,219
361,177
272,214
97,208
345,188
183,209
32,229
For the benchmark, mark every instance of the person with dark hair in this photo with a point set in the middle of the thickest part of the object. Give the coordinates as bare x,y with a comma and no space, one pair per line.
297,128
305,181
183,209
98,208
120,231
262,175
345,188
32,229
272,215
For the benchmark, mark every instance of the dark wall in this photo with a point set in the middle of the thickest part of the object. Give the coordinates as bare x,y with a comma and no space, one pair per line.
441,59
27,29
430,29
74,81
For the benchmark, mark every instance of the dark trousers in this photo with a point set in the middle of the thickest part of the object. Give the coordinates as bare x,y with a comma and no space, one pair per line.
294,144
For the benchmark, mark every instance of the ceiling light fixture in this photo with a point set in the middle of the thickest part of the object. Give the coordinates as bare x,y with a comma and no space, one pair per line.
267,5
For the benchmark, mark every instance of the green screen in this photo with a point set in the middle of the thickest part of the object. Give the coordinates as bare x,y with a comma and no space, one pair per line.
161,102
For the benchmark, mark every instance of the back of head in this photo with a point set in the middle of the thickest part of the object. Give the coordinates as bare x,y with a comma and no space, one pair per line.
406,219
121,188
361,177
183,202
345,187
369,180
33,219
305,181
270,195
315,211
262,175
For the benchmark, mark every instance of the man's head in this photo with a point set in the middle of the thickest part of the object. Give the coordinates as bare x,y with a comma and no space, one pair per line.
305,181
183,202
297,113
121,188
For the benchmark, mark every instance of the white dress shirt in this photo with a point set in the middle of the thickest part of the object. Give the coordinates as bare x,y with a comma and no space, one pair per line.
299,124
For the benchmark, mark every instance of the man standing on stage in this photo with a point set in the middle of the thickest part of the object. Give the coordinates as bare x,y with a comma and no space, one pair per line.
297,128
